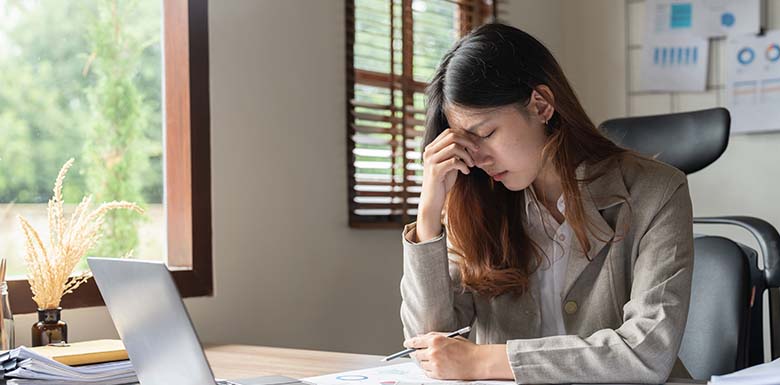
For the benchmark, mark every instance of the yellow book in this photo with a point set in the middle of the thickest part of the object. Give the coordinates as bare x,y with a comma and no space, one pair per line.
83,353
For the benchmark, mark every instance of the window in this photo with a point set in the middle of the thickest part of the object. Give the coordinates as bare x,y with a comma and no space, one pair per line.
393,49
122,87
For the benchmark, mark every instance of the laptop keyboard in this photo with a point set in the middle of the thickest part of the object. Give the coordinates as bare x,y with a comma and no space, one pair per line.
226,382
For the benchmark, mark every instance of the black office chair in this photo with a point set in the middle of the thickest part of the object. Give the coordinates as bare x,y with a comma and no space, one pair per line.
724,331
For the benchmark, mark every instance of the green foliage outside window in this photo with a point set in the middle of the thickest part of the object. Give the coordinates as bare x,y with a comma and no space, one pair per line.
82,79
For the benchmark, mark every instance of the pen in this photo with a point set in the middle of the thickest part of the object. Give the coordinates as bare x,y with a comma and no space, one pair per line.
407,351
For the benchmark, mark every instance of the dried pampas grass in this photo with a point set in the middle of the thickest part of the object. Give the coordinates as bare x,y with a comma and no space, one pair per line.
50,269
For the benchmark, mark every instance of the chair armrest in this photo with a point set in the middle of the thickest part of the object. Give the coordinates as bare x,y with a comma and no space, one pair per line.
768,241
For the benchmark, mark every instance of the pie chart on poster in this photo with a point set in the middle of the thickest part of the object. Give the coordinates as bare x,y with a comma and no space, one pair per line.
773,52
746,55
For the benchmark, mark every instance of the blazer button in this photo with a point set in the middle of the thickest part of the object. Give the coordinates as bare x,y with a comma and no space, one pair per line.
570,307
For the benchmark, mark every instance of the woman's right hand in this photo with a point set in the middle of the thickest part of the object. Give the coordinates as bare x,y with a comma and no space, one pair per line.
442,160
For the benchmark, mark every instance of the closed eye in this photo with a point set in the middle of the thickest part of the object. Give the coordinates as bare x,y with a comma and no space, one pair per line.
488,135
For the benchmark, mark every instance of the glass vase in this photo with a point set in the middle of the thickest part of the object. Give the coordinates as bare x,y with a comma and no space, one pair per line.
50,328
7,328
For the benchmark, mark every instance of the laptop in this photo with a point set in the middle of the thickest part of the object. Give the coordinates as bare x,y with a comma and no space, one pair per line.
155,327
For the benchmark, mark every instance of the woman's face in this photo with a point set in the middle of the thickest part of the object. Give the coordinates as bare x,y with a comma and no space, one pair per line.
510,141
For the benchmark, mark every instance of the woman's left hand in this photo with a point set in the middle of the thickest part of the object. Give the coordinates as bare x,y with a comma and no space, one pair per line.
445,358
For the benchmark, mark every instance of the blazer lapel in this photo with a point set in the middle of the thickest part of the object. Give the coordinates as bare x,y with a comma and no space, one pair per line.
605,191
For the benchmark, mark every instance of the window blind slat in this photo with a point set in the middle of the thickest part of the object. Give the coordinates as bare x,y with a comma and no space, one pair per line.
383,193
395,46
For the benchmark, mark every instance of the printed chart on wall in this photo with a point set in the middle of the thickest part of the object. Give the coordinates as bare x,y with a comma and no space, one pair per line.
703,18
753,82
676,39
402,374
674,64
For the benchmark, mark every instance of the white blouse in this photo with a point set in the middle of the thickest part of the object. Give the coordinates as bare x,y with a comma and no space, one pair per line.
554,240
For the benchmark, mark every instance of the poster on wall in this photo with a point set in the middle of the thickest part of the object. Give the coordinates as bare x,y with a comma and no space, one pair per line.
674,64
702,18
753,82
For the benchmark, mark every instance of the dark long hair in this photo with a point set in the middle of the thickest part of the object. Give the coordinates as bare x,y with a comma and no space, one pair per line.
494,66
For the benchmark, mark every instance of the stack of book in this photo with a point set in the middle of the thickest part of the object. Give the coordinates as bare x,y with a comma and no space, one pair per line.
95,362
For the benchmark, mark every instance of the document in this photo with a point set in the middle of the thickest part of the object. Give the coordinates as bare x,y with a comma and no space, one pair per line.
702,18
753,82
674,64
764,374
402,374
22,366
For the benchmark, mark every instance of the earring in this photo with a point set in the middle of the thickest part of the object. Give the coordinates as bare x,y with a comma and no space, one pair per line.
547,129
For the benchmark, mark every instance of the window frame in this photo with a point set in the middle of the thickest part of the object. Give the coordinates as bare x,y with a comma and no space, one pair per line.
479,11
187,162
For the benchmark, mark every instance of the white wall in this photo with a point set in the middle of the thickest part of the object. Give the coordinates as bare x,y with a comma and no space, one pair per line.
289,272
587,38
540,18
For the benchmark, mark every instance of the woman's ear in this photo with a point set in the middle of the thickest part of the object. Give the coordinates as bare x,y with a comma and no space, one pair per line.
542,103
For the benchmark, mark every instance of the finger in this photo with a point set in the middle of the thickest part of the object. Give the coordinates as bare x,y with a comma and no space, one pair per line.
427,366
469,136
415,343
439,138
452,137
453,149
430,370
422,354
452,164
424,341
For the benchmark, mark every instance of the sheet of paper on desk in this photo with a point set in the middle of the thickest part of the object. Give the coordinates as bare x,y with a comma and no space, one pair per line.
402,374
764,374
407,374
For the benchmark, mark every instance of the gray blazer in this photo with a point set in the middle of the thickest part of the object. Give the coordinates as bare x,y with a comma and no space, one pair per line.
624,311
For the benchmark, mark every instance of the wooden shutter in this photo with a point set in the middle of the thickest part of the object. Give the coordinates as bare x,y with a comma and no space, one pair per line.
393,48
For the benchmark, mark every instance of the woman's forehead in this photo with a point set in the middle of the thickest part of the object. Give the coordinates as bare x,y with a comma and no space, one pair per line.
466,117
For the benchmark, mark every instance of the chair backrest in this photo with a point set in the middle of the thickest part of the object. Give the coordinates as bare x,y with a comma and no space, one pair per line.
689,141
766,280
716,335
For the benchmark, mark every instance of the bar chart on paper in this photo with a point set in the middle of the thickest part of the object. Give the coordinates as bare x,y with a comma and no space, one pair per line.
673,63
675,56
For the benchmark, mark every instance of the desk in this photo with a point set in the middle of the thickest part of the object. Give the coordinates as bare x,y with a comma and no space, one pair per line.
242,361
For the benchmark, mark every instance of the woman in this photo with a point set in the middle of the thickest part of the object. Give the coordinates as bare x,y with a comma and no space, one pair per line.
571,257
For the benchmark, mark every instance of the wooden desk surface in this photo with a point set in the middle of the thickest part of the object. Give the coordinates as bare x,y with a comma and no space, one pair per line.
244,361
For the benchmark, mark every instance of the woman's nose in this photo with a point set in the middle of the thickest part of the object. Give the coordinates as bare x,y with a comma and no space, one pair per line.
481,157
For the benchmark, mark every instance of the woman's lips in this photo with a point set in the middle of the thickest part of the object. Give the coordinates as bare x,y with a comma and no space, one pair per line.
499,176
